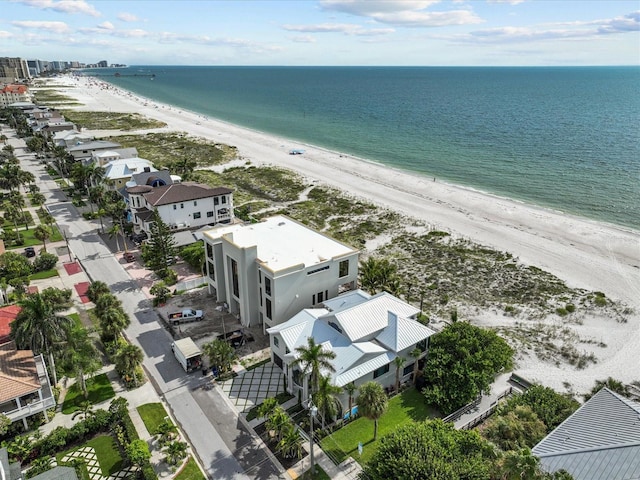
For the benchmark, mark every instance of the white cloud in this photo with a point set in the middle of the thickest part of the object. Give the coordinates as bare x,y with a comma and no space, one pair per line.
410,13
5,34
298,39
106,26
510,2
63,6
127,17
55,27
346,28
135,33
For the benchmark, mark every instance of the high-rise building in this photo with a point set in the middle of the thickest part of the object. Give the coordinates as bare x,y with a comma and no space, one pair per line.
13,70
103,64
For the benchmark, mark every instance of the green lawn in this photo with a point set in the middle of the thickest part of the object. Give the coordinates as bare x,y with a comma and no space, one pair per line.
76,319
153,414
31,241
190,471
107,452
99,387
409,406
44,274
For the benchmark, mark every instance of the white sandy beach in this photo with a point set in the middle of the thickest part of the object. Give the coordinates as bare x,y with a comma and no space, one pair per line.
585,254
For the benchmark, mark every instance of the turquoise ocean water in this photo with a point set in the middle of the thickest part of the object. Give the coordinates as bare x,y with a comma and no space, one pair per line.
564,138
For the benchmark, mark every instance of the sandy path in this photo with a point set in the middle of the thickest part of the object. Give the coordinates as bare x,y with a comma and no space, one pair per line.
584,253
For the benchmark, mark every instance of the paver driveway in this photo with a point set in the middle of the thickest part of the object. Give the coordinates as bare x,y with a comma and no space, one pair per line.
253,386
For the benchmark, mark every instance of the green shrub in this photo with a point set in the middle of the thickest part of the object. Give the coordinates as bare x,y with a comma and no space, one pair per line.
147,472
44,261
600,301
169,276
570,307
561,311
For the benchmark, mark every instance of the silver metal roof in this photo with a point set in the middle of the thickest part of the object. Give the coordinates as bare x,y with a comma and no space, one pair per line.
600,440
401,333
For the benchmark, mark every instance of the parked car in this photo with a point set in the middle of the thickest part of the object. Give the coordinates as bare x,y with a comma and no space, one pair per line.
30,252
138,238
129,257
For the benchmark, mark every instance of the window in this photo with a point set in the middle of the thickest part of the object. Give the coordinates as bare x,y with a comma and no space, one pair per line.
195,203
335,325
260,297
320,297
234,278
408,369
381,371
268,309
216,200
182,205
196,215
212,271
313,299
267,286
209,214
316,270
224,199
276,342
260,277
344,268
209,250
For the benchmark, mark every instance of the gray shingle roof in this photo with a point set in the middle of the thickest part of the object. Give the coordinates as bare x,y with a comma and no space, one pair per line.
183,192
600,440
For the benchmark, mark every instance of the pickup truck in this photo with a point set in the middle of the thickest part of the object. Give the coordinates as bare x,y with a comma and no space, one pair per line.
186,315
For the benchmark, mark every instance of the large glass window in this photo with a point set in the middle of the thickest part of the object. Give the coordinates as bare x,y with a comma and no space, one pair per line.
209,250
344,268
212,271
268,302
381,371
267,286
234,278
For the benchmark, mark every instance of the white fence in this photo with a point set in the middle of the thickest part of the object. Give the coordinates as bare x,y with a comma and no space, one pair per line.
190,284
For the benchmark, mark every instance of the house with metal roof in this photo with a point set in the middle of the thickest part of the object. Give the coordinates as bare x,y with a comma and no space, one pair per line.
119,171
12,471
366,333
599,441
84,150
24,384
266,272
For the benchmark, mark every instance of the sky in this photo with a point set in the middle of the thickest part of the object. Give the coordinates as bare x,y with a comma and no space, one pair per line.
324,32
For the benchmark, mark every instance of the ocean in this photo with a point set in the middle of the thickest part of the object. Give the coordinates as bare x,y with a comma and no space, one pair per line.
566,138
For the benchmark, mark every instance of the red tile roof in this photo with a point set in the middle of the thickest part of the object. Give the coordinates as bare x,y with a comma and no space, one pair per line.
7,315
18,372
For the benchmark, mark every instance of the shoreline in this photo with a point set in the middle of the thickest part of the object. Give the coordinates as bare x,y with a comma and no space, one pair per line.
582,252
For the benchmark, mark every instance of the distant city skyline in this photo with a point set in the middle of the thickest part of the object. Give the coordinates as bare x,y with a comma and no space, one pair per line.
324,32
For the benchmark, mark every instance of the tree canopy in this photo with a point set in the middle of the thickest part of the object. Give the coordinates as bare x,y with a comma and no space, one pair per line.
431,450
462,362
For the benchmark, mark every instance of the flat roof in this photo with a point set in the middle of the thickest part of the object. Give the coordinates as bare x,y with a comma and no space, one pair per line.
282,242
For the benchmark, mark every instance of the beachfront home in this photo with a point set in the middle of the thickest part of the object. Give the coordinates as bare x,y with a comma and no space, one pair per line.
69,138
182,206
103,157
266,272
24,385
367,333
83,151
118,172
14,93
599,441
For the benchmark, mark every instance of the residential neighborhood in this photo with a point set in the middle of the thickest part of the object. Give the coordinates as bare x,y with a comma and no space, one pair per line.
172,323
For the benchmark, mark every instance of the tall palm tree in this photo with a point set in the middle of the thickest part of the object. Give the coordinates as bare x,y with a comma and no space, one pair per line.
80,357
128,360
42,233
96,289
415,354
86,410
326,399
112,321
350,388
372,403
399,363
115,231
377,274
311,359
290,445
39,326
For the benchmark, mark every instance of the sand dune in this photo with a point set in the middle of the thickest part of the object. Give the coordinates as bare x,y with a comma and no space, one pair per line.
584,253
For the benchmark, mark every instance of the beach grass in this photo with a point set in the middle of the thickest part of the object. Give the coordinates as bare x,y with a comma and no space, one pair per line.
52,96
164,148
112,120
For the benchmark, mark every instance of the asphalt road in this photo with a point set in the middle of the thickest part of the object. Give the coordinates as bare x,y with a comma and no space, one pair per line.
225,445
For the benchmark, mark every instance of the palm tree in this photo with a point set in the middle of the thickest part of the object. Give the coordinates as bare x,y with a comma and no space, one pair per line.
221,354
278,422
378,274
96,289
326,400
350,388
372,403
311,359
415,354
39,327
86,410
42,233
290,445
38,199
112,321
399,363
80,357
115,231
128,360
175,451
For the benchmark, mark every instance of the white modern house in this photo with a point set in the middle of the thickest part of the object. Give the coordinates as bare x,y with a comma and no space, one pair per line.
185,205
84,151
268,271
366,333
103,157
